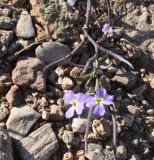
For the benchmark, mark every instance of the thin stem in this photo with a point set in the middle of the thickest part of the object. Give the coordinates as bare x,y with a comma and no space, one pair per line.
87,129
109,12
114,131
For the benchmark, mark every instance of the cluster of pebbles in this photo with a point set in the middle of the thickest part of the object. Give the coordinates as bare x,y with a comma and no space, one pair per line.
32,109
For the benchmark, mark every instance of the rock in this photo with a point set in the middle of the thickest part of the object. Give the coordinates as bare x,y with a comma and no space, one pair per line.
126,78
25,28
101,129
67,83
95,151
138,91
60,71
133,110
15,96
56,92
151,137
42,102
45,115
2,125
68,156
121,152
6,152
128,119
50,52
5,39
105,82
21,120
6,23
75,72
40,144
29,73
19,3
150,112
56,113
135,157
79,125
69,139
3,113
1,87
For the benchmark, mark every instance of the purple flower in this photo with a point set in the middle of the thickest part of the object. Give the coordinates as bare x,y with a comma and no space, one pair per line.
76,101
107,29
99,101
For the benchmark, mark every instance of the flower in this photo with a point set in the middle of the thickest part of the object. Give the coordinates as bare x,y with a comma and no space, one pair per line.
99,101
76,101
107,29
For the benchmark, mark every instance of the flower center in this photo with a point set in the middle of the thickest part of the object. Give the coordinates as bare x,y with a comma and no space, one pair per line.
99,100
74,104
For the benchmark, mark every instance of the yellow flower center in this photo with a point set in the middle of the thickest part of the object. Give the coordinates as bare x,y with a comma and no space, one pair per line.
99,100
74,104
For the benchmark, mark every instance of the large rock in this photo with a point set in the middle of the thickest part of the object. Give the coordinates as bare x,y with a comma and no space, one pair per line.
50,52
40,144
15,96
5,146
21,120
28,73
25,28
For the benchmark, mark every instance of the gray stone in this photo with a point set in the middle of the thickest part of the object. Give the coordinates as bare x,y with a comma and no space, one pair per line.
6,23
79,125
128,119
134,110
25,28
29,73
5,146
40,144
52,51
21,120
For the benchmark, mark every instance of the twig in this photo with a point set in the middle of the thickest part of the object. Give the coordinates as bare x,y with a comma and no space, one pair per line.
51,65
109,12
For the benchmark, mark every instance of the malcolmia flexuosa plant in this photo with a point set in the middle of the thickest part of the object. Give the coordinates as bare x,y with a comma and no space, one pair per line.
80,101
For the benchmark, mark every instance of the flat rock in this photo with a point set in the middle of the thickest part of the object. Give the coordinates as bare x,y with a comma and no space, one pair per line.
5,146
25,28
29,73
15,96
40,144
21,120
50,52
6,23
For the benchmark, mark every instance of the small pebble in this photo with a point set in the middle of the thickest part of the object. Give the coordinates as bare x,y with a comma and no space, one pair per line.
25,28
60,71
135,157
150,112
3,113
43,102
133,110
121,152
75,72
45,115
56,113
68,156
67,83
79,125
151,137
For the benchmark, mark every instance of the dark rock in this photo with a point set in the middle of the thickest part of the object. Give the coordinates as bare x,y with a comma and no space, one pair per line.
6,23
15,96
6,152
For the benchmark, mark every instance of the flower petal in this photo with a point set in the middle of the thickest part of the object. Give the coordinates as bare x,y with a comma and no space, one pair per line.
90,101
80,97
108,100
101,92
105,27
69,113
68,97
99,110
79,108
